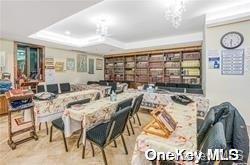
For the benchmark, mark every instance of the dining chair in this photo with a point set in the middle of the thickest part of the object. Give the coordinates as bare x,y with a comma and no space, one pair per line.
92,82
65,87
59,124
40,88
105,133
194,90
103,83
134,111
122,105
52,88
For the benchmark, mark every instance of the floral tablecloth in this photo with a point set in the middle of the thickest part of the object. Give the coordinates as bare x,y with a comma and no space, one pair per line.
51,109
152,100
184,137
91,114
80,87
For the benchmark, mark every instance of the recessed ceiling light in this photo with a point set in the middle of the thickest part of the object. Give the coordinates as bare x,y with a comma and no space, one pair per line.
67,32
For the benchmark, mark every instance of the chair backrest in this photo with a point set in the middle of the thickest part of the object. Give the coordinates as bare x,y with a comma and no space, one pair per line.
124,104
98,96
84,101
113,86
182,85
196,86
92,82
194,90
52,88
214,139
158,84
40,88
117,124
145,87
207,123
175,89
103,83
137,104
65,87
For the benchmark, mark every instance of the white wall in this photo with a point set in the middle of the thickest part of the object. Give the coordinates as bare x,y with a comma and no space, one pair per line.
8,48
59,55
231,88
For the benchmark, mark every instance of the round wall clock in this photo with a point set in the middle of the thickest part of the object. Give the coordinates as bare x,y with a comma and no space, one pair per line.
231,40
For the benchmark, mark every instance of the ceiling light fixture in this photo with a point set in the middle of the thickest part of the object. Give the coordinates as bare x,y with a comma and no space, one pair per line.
102,28
67,32
174,11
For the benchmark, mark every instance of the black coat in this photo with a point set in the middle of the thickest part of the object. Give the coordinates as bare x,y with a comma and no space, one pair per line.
235,128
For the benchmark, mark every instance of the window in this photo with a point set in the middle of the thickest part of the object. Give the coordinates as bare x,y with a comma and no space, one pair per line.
29,61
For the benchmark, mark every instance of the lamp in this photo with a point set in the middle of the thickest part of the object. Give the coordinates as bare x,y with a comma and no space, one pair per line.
2,61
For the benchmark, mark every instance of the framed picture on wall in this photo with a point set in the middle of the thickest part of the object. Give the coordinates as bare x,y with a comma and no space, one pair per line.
59,66
81,63
70,64
49,63
99,64
91,66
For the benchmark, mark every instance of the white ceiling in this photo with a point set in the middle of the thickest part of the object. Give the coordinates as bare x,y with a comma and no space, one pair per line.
132,23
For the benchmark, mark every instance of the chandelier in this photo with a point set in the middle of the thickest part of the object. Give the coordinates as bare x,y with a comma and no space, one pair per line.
102,28
174,11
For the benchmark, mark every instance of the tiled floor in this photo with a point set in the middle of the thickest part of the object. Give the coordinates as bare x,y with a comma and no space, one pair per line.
42,152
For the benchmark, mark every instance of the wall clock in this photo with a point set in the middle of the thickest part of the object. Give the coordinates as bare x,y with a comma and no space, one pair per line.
231,40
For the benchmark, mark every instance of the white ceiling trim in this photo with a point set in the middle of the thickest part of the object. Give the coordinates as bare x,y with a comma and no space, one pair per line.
228,15
96,40
179,39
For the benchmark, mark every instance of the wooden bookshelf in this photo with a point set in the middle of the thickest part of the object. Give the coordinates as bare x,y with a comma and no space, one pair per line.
179,65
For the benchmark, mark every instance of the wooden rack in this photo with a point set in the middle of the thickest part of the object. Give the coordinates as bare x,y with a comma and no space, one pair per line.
30,128
179,65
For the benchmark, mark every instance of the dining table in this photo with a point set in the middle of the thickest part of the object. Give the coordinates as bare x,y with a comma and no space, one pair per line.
48,110
104,90
151,100
183,137
92,114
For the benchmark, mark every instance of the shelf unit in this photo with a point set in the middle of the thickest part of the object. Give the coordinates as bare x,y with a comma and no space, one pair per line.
179,65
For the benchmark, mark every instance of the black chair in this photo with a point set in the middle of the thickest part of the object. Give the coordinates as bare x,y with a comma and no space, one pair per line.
40,88
158,84
113,86
194,90
103,83
52,88
197,86
182,85
124,104
103,134
175,89
59,124
171,85
134,112
65,87
92,82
